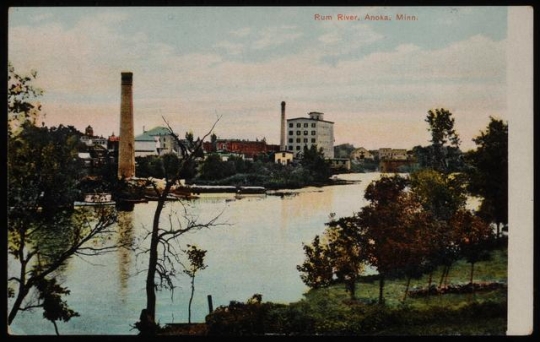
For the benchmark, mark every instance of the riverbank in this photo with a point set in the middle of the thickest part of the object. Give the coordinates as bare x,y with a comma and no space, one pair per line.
474,310
275,182
194,190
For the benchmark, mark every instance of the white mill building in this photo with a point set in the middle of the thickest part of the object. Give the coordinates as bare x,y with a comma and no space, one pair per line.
313,130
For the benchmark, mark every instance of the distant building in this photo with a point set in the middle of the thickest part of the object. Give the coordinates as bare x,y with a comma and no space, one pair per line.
113,143
396,160
283,157
94,152
340,164
306,132
393,154
361,153
89,139
248,148
156,141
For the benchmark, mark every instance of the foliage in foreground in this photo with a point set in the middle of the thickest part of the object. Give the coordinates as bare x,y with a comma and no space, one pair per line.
357,318
331,311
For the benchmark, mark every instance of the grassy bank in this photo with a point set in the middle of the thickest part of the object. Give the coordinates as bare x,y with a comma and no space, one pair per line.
477,313
331,312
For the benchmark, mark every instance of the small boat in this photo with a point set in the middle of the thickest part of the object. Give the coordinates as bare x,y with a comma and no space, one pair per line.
95,199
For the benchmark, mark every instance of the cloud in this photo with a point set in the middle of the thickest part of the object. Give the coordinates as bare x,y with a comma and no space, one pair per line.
242,32
230,48
275,36
79,69
342,38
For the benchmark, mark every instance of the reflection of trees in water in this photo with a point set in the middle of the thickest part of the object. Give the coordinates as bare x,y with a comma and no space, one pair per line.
307,202
125,238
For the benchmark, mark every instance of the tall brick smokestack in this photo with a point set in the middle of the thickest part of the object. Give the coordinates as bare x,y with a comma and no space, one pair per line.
126,150
282,141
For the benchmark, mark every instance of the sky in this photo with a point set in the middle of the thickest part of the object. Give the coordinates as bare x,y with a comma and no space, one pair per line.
232,66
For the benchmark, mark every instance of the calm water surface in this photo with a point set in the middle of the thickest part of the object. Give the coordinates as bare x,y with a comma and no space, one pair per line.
255,250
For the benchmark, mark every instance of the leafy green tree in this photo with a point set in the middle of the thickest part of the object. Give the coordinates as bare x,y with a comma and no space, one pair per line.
343,150
190,139
54,308
317,269
23,105
213,168
44,230
240,165
475,238
149,166
441,196
382,219
314,161
489,172
347,251
444,140
213,141
196,263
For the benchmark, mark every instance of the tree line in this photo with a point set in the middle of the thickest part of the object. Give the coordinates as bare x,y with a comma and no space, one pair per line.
414,224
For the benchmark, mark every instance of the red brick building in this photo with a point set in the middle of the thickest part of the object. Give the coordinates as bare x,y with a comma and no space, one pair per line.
248,148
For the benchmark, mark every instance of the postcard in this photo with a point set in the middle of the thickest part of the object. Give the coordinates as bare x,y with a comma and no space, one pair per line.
254,136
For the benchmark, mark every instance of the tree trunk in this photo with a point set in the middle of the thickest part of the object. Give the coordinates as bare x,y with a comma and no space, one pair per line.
471,293
407,288
23,291
352,288
472,273
152,263
381,290
191,298
446,276
56,328
442,277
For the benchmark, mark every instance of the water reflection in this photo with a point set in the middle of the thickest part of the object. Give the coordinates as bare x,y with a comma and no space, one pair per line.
125,238
256,251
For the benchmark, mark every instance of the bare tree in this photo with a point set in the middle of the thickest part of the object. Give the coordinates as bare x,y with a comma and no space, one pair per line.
163,254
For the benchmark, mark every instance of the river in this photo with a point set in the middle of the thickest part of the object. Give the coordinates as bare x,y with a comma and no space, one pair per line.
254,248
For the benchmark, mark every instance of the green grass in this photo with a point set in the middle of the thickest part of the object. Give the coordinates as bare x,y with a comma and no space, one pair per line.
494,270
480,313
331,312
